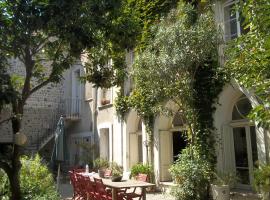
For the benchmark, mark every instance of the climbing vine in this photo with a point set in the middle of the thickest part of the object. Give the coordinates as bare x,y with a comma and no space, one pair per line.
180,63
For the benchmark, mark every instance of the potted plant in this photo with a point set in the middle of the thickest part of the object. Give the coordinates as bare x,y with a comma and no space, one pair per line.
221,185
262,180
101,164
117,172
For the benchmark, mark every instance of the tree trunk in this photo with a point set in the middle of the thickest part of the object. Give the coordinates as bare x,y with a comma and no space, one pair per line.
14,178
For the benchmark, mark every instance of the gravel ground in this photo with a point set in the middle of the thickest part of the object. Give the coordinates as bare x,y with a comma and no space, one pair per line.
66,193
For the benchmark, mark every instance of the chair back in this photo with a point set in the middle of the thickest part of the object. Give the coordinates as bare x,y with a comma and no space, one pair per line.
74,183
100,187
82,185
142,177
90,188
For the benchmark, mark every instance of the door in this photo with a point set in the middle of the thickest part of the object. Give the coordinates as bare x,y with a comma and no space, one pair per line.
104,143
245,152
166,155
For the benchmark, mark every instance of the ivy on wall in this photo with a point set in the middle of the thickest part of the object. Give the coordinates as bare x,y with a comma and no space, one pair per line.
180,63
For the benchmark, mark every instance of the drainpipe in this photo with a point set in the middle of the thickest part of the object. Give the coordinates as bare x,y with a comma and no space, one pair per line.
94,125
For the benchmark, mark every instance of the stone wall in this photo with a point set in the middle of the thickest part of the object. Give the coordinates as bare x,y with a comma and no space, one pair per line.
42,110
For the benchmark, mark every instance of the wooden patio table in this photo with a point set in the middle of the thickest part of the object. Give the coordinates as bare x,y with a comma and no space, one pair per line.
115,186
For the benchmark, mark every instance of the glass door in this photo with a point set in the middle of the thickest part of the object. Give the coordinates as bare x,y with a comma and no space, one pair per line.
245,150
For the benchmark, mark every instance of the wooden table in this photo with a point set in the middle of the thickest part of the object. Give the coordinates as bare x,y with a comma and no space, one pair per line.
115,186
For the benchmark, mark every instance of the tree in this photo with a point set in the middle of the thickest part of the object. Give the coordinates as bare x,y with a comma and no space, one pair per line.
249,57
52,30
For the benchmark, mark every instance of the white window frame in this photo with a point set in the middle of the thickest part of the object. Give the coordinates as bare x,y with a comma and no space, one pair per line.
238,25
244,124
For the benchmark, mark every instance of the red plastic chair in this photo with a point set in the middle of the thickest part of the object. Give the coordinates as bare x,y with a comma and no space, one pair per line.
75,185
134,194
102,193
90,189
82,183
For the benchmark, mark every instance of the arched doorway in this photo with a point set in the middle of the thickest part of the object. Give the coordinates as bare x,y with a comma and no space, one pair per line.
136,145
172,140
244,141
179,133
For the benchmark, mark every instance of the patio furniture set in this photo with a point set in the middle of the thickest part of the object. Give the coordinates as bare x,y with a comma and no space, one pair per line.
89,186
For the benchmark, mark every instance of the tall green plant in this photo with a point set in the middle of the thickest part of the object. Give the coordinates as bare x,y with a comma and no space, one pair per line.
192,174
181,64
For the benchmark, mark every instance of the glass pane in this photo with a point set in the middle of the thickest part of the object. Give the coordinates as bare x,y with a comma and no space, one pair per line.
240,147
230,22
253,144
241,154
241,109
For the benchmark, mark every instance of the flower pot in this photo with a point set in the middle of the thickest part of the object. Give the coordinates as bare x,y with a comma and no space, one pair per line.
220,192
116,178
101,173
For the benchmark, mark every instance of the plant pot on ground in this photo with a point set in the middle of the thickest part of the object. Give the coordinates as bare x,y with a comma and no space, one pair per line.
221,185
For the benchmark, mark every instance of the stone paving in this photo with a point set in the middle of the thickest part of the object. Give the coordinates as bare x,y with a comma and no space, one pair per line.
66,193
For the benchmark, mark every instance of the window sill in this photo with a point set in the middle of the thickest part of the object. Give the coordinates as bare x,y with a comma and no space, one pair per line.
102,107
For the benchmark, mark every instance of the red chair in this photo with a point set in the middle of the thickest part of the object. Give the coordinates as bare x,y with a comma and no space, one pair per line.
101,192
82,183
134,193
90,189
75,185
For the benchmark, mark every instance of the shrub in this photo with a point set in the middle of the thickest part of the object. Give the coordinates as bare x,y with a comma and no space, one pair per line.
262,178
191,174
142,169
36,181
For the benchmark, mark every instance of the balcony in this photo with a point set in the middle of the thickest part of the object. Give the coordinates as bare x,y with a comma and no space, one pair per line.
72,109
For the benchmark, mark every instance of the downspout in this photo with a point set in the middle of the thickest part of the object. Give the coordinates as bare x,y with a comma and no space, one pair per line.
94,126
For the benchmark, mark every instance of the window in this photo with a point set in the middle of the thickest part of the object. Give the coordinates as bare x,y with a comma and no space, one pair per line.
244,142
105,96
233,21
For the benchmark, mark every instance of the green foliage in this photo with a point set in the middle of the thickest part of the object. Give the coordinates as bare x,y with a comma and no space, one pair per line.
117,170
262,178
122,105
141,169
181,64
191,172
222,178
36,181
4,186
101,163
248,57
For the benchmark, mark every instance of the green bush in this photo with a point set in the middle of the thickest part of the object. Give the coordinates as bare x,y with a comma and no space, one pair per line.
36,181
142,169
191,174
262,178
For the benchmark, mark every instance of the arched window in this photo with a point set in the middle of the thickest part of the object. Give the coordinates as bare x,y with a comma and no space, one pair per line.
241,108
